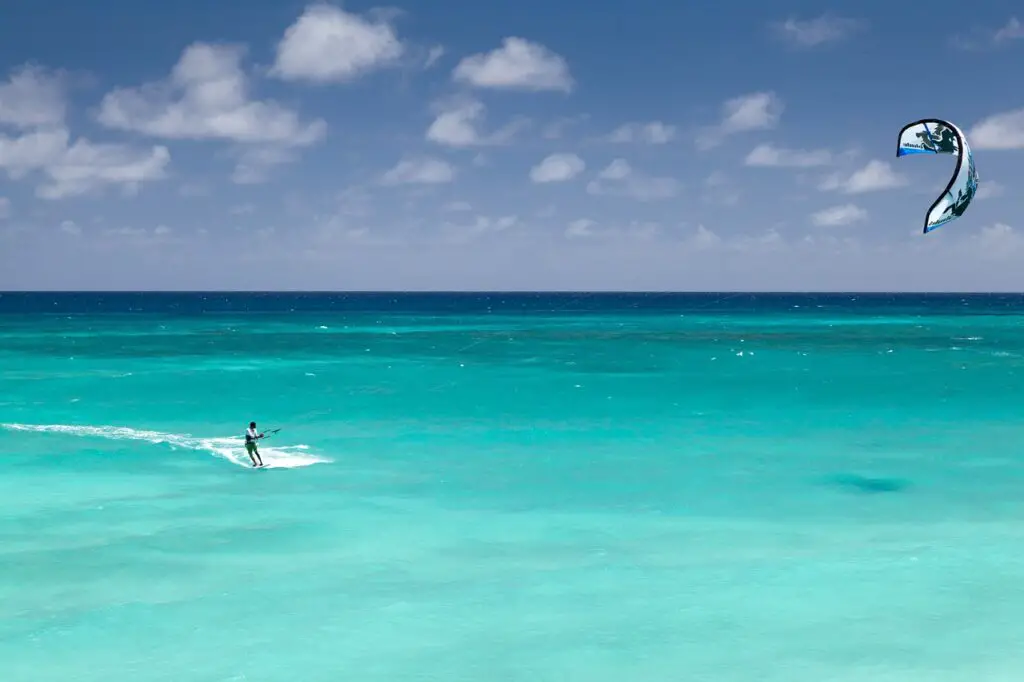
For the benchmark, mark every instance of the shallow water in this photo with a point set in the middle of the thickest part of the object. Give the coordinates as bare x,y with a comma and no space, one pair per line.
517,487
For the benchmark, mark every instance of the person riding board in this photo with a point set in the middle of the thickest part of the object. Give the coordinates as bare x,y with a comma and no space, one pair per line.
251,436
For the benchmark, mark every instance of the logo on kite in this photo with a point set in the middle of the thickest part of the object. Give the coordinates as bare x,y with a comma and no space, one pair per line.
933,136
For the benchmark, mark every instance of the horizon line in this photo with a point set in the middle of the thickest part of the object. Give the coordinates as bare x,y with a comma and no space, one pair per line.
449,292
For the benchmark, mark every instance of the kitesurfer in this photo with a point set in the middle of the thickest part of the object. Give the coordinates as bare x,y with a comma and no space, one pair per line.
251,436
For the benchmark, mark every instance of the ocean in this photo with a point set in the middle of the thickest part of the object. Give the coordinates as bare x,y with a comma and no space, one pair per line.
511,487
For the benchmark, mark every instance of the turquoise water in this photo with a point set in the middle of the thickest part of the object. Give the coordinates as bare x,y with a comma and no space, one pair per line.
516,487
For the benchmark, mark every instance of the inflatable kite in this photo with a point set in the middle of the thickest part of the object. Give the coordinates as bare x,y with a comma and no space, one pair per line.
934,136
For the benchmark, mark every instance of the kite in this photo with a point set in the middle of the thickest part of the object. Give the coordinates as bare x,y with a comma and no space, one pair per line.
934,136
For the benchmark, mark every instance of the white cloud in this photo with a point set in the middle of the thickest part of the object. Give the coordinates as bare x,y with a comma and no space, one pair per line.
752,112
419,171
1001,131
768,155
654,132
619,169
989,190
1012,31
580,228
757,111
457,206
1000,241
839,215
256,163
979,38
875,176
434,55
815,32
517,65
78,168
70,227
461,234
5,208
329,45
705,239
85,167
32,97
457,125
557,168
32,151
620,179
206,98
33,100
634,231
141,236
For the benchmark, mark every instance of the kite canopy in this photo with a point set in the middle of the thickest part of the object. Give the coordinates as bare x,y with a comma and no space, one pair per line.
935,136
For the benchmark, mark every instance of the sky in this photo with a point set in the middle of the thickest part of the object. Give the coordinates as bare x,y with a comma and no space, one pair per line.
504,145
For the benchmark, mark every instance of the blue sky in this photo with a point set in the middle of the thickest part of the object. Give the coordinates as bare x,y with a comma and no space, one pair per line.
458,144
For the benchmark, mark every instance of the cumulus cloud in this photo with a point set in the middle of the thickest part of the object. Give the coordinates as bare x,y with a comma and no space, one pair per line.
756,111
981,38
1012,30
557,168
458,124
632,231
874,177
433,56
839,215
33,101
33,97
620,179
255,163
517,65
768,155
84,167
207,97
1000,242
461,233
654,132
1000,131
584,227
419,171
704,238
329,45
70,227
815,32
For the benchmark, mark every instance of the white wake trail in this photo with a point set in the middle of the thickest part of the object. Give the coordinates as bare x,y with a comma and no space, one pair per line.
229,448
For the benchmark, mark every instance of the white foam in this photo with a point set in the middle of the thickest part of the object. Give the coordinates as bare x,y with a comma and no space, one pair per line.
229,448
